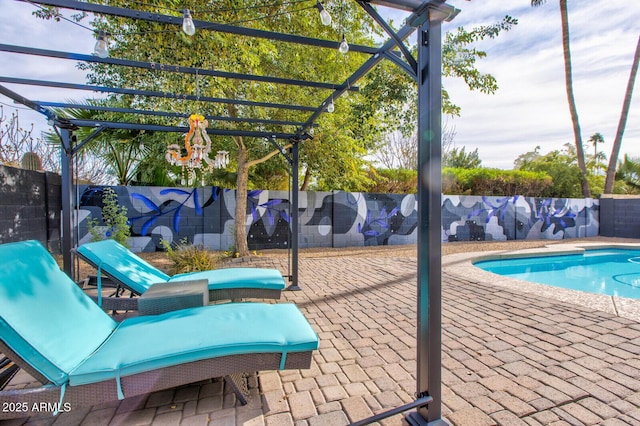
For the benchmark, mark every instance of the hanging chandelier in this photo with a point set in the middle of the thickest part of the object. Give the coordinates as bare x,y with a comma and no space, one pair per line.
197,147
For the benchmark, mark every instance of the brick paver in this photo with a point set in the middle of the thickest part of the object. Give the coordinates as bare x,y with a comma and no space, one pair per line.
509,358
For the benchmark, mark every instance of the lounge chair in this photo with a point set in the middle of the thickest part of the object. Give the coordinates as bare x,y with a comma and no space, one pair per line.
130,271
53,330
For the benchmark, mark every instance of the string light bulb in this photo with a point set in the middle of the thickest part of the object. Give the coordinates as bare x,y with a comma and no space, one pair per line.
331,107
101,49
344,46
187,23
324,15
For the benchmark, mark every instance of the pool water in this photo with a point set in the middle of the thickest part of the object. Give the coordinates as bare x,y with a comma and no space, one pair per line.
614,272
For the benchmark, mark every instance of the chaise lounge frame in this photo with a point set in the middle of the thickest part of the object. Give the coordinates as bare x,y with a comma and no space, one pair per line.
232,368
116,302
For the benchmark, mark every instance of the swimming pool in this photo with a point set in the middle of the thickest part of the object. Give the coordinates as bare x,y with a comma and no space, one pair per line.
614,272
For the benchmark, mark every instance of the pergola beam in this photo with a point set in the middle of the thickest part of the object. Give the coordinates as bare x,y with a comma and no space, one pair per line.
167,68
26,102
177,129
151,93
166,113
391,33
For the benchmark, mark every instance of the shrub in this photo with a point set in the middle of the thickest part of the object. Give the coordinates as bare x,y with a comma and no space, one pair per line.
395,181
114,217
482,181
190,257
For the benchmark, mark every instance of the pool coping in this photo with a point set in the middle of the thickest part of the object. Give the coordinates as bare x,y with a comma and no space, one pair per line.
461,264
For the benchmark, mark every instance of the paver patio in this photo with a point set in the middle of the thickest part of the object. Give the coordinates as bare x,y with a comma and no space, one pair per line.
509,357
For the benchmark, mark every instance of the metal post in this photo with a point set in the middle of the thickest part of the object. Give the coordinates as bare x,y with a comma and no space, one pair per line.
429,222
295,227
66,154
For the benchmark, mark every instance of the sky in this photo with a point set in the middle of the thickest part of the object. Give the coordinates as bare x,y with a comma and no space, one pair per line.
529,109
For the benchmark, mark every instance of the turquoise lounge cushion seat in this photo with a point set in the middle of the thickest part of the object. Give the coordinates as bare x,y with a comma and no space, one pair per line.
139,344
131,270
47,320
236,278
44,315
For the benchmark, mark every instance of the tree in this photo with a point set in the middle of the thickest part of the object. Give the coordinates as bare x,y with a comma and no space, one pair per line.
399,146
150,42
617,143
400,151
561,165
114,156
459,158
14,140
337,154
595,162
459,58
629,173
564,16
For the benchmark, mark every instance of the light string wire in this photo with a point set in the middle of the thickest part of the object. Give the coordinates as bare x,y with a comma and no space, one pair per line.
60,16
231,9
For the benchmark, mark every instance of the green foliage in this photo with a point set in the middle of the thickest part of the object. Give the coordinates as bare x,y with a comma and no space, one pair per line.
596,183
395,181
628,176
189,257
114,217
459,57
560,165
458,158
495,182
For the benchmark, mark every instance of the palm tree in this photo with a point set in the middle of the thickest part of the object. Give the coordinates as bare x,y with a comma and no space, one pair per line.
593,164
564,16
615,150
113,154
629,173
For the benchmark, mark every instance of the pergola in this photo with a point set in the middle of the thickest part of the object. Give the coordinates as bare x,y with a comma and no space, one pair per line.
425,20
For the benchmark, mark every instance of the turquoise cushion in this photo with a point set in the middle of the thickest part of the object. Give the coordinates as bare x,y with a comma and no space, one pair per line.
126,267
147,343
44,316
237,278
122,265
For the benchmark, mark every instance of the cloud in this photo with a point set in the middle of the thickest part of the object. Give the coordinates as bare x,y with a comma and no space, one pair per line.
531,108
21,28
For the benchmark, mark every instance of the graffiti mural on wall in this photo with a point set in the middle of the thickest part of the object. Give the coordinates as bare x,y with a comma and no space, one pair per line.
155,214
333,219
473,218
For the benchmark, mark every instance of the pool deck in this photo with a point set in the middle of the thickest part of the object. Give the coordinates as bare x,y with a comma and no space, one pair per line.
510,355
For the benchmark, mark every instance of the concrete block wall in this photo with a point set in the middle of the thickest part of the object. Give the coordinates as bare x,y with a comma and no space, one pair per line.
339,218
29,206
620,216
30,209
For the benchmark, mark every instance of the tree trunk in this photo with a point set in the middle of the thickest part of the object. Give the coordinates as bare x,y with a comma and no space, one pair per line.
305,181
586,191
241,200
615,149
